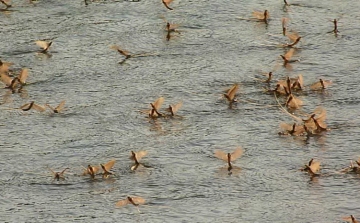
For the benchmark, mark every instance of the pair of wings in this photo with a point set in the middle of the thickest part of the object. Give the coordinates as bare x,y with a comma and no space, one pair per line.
174,108
138,155
230,95
233,156
314,165
293,102
321,84
58,108
136,200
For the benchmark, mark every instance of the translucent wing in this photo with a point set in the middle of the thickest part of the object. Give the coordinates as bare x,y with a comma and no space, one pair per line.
170,26
60,107
326,83
49,106
284,22
6,79
26,106
316,86
95,169
23,75
138,200
299,130
320,113
315,166
258,15
158,103
109,165
293,102
122,203
232,92
321,84
221,155
289,54
62,172
282,83
140,154
286,126
174,108
166,3
236,154
300,81
4,66
42,44
293,36
52,171
38,108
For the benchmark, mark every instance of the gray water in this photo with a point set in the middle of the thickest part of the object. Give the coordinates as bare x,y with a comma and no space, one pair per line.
185,183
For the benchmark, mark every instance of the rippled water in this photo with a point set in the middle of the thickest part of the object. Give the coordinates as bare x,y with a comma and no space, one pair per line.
185,182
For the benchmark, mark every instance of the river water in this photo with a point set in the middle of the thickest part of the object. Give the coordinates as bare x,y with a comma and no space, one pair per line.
185,182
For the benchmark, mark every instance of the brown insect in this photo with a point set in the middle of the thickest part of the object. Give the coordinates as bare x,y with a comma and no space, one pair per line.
107,167
293,102
91,170
315,122
350,219
58,175
171,28
154,112
229,157
286,57
294,130
261,16
298,83
320,85
167,3
136,201
44,45
174,108
231,93
279,90
352,168
335,31
268,76
313,167
58,108
136,156
24,73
